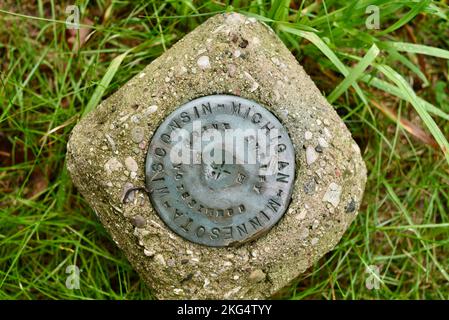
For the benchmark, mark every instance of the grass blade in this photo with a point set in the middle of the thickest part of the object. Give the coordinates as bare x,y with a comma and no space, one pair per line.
402,209
417,9
279,10
408,92
417,48
406,62
104,83
391,89
407,125
323,47
354,74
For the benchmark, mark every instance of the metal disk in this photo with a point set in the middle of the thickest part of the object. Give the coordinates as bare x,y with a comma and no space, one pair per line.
220,170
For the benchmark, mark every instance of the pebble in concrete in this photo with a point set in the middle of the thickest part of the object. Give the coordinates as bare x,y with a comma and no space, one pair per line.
332,194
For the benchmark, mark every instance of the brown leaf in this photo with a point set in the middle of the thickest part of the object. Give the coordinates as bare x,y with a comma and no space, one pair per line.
421,59
38,183
84,32
410,127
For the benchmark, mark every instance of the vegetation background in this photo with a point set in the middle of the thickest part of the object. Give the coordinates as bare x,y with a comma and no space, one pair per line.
390,85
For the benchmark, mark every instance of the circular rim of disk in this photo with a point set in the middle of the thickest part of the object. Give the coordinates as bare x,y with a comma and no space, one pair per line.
220,170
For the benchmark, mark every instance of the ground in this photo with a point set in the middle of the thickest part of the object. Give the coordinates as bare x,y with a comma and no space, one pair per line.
393,98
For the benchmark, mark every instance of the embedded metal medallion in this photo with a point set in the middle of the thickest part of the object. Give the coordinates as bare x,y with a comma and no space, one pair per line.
220,170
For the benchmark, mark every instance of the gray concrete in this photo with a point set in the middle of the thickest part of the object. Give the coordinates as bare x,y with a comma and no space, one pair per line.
228,54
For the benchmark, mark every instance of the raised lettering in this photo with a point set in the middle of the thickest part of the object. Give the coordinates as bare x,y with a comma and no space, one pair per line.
273,205
206,108
255,223
282,177
242,229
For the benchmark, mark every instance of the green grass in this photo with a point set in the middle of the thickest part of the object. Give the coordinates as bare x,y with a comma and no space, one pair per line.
394,98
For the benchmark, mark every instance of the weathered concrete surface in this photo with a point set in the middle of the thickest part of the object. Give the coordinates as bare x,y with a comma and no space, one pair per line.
228,54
